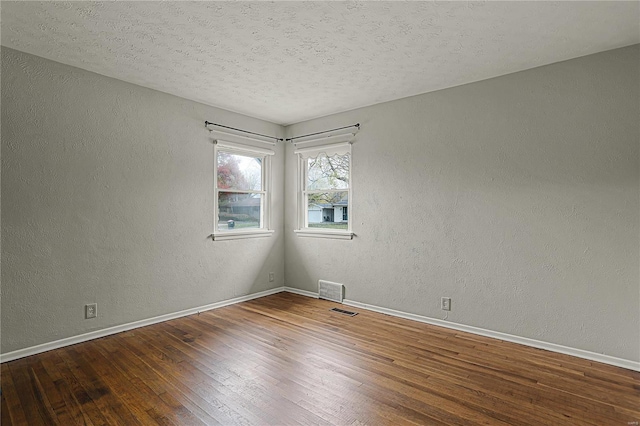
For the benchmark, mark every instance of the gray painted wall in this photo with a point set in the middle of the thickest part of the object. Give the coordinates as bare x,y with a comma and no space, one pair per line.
517,196
107,195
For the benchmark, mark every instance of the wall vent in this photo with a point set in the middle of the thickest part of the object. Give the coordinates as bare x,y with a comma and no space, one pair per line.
342,311
330,291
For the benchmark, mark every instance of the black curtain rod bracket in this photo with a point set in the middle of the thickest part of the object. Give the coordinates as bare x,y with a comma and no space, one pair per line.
324,131
209,123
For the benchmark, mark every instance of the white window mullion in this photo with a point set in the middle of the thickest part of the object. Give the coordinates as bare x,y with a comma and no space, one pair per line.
323,191
237,191
305,211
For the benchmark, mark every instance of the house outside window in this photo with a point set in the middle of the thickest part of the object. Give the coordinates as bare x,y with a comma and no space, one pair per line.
242,191
324,194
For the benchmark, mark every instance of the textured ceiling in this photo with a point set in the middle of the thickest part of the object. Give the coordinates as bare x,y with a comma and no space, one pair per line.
291,61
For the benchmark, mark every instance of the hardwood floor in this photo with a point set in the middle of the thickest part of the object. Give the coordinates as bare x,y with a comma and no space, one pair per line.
286,359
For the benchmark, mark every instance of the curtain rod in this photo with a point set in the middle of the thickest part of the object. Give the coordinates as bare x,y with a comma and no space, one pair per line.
324,131
207,123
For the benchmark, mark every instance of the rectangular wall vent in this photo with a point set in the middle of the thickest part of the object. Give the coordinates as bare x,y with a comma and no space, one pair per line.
330,291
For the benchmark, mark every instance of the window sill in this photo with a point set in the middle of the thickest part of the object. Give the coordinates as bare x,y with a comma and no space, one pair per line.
238,235
338,235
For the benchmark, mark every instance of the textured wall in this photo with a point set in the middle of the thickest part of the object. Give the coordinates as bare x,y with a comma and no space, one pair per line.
107,194
517,196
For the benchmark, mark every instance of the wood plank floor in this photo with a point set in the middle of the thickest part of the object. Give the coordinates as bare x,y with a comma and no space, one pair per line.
286,359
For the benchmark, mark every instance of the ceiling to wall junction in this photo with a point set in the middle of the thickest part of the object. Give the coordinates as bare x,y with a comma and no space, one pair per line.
291,61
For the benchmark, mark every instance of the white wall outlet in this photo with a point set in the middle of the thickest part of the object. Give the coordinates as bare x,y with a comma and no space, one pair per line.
445,303
272,277
90,310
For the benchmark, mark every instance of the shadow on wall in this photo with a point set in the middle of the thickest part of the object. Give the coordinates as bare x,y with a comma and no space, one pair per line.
257,272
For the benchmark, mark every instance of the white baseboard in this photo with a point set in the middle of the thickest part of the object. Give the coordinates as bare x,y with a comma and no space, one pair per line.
592,356
21,353
301,292
606,359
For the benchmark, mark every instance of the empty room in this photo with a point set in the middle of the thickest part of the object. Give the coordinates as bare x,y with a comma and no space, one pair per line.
322,213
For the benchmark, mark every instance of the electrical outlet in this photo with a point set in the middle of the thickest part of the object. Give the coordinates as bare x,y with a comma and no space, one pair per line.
445,303
272,277
91,310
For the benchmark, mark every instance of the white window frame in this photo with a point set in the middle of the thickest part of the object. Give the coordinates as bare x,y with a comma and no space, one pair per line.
265,194
303,154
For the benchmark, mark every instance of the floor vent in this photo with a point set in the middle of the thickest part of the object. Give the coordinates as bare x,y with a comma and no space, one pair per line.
342,311
330,291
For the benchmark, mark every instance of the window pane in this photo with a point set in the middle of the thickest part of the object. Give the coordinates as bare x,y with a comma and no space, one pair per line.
238,211
328,210
328,172
239,172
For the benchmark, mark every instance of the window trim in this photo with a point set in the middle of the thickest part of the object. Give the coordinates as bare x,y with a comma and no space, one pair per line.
325,233
265,194
302,229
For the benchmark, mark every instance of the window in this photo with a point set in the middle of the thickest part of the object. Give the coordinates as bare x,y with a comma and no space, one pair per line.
242,191
325,191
